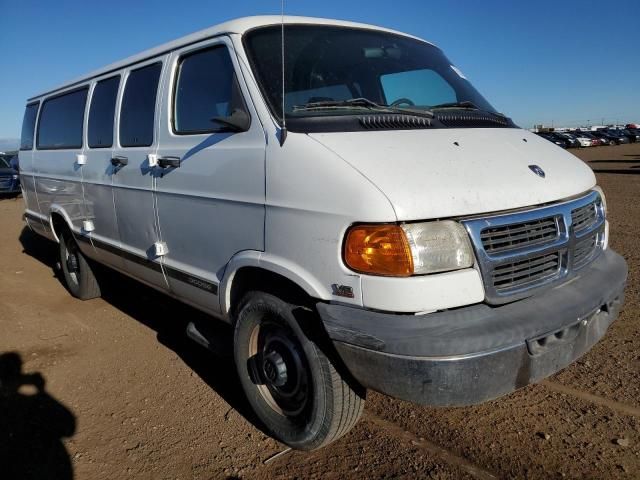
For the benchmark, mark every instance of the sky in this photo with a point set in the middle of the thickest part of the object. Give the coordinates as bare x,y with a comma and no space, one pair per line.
562,63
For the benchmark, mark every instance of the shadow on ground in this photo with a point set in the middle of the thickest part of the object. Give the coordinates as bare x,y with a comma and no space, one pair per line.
32,426
168,318
617,172
615,161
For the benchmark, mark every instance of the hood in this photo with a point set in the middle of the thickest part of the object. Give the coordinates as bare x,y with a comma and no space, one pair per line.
428,174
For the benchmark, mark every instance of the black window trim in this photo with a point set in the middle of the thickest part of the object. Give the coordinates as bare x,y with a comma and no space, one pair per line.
84,114
123,90
35,126
115,110
174,84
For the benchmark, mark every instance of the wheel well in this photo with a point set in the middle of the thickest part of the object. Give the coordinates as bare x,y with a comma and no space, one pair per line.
58,224
247,279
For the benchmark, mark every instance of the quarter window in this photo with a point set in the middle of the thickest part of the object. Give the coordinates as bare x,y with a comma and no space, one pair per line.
206,88
28,126
61,121
139,106
101,113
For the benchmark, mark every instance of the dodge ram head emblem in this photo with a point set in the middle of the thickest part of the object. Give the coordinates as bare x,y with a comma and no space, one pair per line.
537,170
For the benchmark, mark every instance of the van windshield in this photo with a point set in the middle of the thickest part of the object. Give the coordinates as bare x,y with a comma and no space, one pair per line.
333,70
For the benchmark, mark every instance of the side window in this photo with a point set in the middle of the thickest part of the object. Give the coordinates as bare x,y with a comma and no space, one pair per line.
101,113
28,126
61,120
206,88
423,87
139,106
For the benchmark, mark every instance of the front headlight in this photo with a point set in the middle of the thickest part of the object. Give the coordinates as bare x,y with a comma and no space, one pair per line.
15,177
410,249
438,246
598,189
605,241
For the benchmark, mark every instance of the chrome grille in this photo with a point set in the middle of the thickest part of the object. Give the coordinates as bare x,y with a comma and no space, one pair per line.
519,235
584,217
521,252
584,250
526,272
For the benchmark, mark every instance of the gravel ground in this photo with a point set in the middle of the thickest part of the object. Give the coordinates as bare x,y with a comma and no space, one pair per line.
110,388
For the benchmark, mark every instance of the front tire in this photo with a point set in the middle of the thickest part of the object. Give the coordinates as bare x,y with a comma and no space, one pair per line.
293,387
79,278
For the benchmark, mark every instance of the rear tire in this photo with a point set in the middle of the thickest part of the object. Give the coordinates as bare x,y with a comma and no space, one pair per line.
294,389
79,277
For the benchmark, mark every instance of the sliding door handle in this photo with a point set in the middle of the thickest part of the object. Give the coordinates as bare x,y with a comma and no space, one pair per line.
166,162
119,161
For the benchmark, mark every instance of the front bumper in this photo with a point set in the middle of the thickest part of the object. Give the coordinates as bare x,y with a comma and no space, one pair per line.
473,354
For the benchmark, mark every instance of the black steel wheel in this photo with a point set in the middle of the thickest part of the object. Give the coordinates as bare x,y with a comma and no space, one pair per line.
78,275
293,387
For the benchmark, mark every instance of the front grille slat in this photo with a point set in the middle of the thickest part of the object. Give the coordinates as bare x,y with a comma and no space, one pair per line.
584,217
537,263
584,251
526,271
528,235
521,252
519,235
514,230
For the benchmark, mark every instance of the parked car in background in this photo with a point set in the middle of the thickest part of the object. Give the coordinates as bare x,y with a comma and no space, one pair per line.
618,136
9,177
595,141
553,139
605,137
632,134
573,141
583,140
635,126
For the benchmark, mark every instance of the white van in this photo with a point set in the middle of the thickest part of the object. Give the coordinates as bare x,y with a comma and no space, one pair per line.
381,226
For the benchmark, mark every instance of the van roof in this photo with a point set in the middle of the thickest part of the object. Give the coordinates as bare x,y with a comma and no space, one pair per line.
237,26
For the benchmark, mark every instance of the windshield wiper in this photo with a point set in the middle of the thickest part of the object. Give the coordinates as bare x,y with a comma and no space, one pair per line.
361,103
464,104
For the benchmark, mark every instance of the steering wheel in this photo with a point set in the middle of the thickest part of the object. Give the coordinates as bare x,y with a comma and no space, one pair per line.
400,101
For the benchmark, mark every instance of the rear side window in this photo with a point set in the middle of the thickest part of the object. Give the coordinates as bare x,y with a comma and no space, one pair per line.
206,88
139,106
61,121
28,126
101,113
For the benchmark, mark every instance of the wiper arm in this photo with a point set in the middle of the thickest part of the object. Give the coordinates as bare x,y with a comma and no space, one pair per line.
463,104
352,102
362,103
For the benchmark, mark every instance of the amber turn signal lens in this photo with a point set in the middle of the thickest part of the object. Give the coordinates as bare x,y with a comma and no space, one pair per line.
378,250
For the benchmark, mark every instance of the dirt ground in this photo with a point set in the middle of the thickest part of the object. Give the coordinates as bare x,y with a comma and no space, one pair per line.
112,389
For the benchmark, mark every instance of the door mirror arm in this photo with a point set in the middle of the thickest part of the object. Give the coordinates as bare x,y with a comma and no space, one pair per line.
238,121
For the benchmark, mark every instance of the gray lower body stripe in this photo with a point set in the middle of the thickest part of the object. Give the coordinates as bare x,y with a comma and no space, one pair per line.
174,273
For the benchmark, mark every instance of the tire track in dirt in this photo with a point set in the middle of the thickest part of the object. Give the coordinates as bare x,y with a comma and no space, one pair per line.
431,448
590,397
